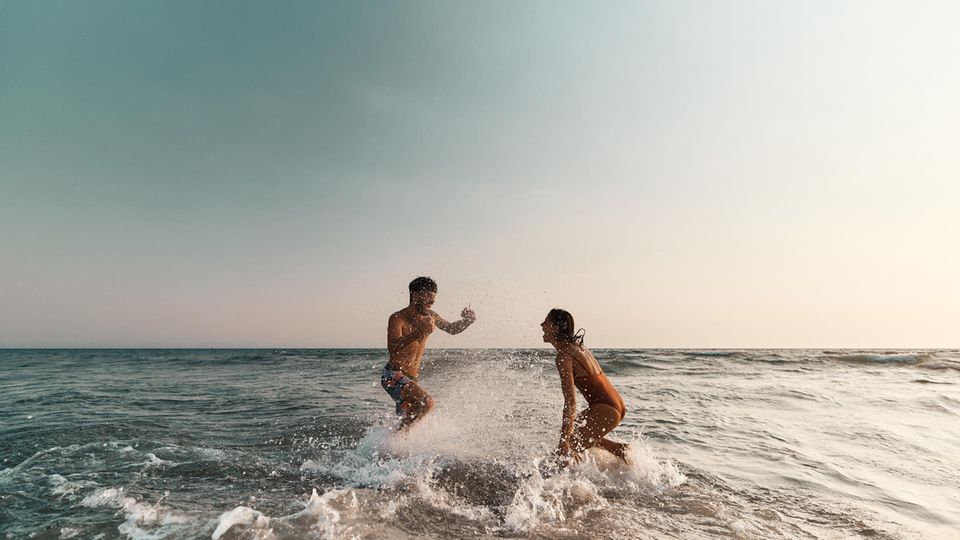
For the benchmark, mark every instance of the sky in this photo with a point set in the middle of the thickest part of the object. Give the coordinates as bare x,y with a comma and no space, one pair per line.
675,174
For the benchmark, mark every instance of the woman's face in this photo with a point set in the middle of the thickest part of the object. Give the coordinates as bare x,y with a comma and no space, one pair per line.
549,330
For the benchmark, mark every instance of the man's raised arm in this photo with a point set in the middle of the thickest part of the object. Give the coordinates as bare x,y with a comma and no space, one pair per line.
467,318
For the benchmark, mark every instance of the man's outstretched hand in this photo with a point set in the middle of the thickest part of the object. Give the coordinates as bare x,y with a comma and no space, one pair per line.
468,315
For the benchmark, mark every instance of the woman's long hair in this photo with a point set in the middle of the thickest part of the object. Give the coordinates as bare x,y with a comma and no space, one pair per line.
563,320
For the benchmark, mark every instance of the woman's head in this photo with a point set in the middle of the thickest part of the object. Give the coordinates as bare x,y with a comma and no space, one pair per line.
558,327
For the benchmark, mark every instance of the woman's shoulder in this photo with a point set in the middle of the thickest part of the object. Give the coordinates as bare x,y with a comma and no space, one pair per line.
579,354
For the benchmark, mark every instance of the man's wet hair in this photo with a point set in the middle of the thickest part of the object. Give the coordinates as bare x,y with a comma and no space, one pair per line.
423,284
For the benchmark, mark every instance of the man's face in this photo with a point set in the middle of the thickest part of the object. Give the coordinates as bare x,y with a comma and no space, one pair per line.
423,300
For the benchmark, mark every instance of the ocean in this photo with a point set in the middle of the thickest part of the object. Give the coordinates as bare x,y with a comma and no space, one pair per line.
262,444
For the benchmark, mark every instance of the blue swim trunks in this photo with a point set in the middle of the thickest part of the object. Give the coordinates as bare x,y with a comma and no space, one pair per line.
393,382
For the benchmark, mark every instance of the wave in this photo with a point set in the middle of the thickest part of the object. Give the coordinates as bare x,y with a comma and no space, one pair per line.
941,364
620,366
923,359
715,353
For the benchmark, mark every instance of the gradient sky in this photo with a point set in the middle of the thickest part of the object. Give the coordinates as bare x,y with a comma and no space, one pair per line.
676,174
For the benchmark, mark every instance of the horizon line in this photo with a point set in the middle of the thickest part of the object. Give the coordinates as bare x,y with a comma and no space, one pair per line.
66,348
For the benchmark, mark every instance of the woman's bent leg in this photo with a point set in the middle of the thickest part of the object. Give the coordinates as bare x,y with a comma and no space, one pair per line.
592,424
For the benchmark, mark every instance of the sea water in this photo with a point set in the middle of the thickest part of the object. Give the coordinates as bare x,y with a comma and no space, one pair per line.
265,444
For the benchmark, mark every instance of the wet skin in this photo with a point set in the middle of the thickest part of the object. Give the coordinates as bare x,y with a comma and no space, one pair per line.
407,333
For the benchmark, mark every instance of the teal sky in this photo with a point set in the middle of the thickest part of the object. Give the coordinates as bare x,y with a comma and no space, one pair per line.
676,174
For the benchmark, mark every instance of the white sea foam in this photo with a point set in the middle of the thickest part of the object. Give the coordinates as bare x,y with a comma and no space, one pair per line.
318,517
641,470
407,470
153,461
63,487
591,485
552,500
69,532
144,521
256,522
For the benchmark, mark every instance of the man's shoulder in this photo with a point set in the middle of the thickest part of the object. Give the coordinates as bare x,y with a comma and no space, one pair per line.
401,314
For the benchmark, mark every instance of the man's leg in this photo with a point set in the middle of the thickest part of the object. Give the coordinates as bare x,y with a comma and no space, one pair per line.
416,403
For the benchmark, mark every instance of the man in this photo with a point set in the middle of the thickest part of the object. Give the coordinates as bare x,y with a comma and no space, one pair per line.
407,334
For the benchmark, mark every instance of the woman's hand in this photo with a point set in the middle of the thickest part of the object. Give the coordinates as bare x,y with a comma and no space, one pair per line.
565,454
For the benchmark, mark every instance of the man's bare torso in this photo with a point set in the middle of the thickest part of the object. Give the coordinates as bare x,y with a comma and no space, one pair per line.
408,358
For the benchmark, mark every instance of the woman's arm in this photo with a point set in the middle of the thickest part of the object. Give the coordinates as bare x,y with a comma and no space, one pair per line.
565,367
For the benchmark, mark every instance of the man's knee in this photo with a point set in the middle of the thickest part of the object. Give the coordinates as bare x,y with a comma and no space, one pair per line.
427,404
421,405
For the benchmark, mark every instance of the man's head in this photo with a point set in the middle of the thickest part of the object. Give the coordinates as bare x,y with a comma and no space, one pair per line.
423,292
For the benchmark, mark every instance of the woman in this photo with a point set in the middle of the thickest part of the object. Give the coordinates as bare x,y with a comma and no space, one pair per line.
579,369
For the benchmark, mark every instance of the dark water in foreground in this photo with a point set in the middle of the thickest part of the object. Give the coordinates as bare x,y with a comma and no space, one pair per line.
294,444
